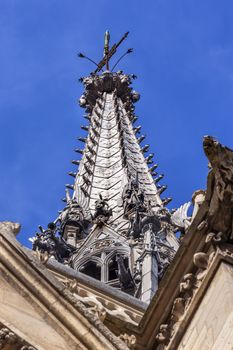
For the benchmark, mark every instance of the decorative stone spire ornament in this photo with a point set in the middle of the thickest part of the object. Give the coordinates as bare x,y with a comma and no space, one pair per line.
115,221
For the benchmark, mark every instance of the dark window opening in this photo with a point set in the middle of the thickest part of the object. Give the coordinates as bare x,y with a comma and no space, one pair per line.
91,269
113,268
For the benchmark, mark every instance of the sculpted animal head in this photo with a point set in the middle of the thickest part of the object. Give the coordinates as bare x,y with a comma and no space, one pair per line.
220,157
212,149
221,161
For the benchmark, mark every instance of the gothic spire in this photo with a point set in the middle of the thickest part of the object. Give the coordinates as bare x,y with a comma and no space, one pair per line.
116,218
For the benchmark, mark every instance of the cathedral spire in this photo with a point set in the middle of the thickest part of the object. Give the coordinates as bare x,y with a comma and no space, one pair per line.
113,163
116,218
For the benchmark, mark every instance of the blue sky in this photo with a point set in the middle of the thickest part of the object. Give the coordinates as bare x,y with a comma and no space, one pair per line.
184,62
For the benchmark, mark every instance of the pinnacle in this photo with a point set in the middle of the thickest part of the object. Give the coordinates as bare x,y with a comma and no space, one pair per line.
79,150
145,148
149,158
82,139
141,138
151,169
137,129
70,186
75,162
72,174
161,189
88,117
165,201
160,177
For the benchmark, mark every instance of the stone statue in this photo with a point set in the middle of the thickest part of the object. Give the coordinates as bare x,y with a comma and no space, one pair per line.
48,241
133,197
126,281
73,215
219,194
102,211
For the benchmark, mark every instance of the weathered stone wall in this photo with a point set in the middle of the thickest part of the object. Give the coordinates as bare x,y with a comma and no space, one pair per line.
211,326
18,314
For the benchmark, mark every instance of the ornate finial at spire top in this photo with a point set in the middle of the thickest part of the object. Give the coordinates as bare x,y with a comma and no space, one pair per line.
108,53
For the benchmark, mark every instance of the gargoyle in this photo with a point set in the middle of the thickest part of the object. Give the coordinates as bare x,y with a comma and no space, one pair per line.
102,211
219,194
48,241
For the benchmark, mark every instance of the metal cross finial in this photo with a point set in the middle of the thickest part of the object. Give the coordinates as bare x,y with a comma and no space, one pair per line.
108,53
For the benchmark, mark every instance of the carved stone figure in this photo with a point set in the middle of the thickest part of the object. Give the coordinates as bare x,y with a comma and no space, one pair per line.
216,238
130,340
219,194
73,215
178,309
187,287
124,275
102,211
135,223
100,312
201,260
151,217
48,241
134,206
133,197
163,335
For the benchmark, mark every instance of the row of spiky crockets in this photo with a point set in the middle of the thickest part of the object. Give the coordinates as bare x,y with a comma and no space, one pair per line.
91,101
